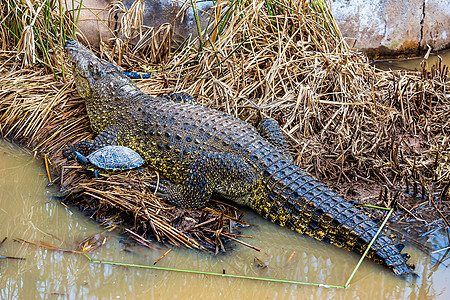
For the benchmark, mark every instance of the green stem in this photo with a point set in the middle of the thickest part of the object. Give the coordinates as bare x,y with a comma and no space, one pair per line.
212,273
368,247
78,17
251,277
197,22
226,58
377,207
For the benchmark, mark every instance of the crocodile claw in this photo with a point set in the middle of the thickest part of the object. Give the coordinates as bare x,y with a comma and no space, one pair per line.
159,189
173,193
68,153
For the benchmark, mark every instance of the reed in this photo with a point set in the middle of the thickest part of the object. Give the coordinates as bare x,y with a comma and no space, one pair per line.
36,31
348,123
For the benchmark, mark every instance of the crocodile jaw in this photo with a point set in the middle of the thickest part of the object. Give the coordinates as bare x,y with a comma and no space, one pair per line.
87,68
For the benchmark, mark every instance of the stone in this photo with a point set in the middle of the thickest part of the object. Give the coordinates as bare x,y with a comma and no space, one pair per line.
380,28
436,25
394,27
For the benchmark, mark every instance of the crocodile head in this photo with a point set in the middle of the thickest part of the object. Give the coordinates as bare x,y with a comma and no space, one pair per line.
88,68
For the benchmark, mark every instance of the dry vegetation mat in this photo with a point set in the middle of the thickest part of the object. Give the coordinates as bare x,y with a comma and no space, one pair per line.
379,137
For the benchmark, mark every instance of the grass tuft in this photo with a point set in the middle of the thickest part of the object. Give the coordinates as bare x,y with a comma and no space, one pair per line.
36,31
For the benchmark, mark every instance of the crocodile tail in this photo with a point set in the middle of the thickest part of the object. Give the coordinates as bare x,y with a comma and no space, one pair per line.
300,202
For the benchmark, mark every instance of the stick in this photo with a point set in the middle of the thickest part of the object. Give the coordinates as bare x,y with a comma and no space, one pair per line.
46,168
167,252
1,243
368,247
140,239
290,257
243,243
446,248
12,257
440,213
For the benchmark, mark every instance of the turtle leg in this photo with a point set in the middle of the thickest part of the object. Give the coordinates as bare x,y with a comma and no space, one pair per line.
270,130
201,179
85,147
180,98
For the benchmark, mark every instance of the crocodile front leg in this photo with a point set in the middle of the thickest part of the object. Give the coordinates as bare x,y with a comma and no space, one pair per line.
270,130
234,180
109,136
180,98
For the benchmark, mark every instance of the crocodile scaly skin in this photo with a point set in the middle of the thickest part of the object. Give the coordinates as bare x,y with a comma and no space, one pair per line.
201,151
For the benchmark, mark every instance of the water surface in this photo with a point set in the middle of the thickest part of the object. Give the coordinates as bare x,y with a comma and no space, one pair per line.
28,212
413,64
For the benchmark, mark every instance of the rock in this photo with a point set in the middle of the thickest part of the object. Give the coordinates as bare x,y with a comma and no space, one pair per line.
394,27
436,25
381,28
88,25
156,12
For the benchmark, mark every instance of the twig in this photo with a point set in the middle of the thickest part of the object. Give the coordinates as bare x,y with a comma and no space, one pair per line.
443,249
12,257
167,252
241,242
440,213
413,215
140,239
46,168
4,239
290,257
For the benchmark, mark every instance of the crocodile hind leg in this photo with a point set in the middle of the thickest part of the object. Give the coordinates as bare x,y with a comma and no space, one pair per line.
201,179
270,130
187,196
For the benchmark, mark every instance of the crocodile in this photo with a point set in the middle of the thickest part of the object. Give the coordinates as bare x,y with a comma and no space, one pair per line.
201,151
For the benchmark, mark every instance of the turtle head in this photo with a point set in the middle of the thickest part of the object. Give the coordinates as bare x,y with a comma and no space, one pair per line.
81,159
88,68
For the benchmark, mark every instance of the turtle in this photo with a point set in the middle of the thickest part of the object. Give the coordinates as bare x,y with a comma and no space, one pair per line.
110,158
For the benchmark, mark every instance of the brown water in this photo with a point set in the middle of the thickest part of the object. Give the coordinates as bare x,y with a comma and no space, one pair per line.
28,212
413,64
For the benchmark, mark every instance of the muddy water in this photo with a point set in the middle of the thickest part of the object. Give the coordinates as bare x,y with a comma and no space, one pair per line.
28,212
413,63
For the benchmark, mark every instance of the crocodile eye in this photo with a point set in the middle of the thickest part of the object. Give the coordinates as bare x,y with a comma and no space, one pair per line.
91,66
94,70
96,74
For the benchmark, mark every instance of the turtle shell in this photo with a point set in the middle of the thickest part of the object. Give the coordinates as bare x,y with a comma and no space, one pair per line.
115,158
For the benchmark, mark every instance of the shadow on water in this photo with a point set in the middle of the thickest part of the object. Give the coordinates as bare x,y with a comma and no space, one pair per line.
28,212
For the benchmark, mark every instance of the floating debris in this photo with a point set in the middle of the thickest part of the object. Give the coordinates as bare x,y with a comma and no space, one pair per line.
259,264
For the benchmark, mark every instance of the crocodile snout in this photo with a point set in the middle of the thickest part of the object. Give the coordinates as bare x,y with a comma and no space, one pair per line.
70,43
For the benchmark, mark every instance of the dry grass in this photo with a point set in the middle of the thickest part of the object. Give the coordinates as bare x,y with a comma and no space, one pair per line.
47,116
357,128
35,31
144,44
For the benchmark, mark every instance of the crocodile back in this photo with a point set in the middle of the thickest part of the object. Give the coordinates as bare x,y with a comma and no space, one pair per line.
285,194
300,202
184,131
